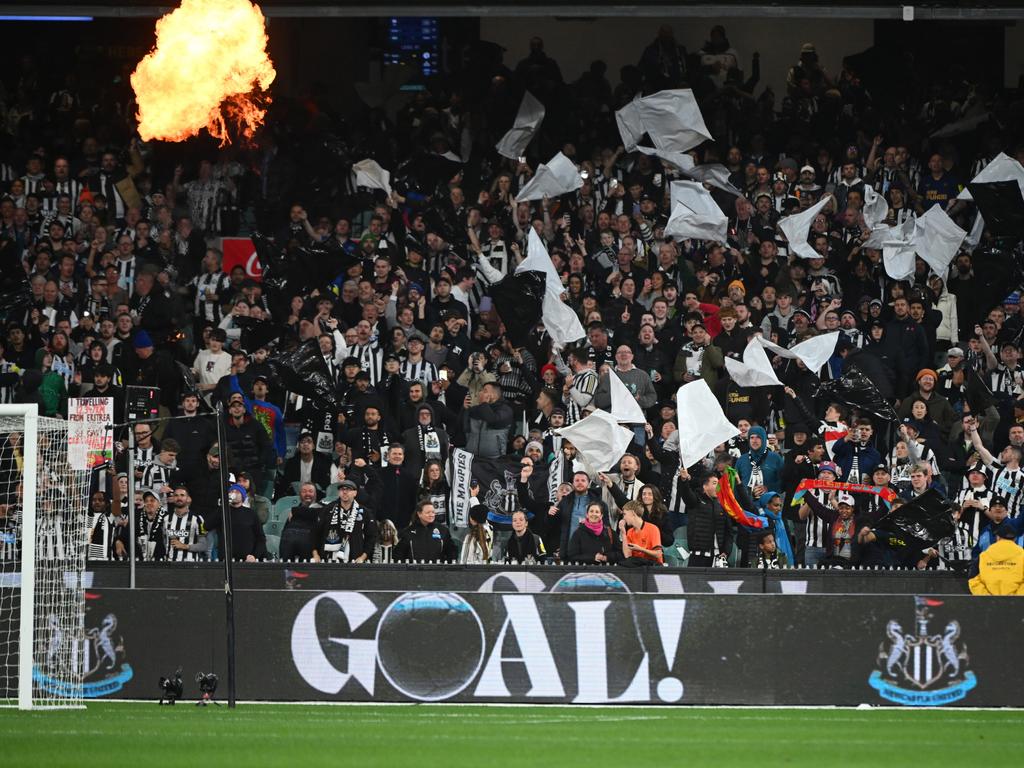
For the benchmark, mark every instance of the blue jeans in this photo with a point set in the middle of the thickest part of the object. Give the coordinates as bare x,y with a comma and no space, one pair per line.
813,556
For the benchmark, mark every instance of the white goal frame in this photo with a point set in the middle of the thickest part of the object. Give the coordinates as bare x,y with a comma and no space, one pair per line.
27,562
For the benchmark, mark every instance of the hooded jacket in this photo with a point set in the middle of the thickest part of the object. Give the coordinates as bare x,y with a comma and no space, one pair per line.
770,463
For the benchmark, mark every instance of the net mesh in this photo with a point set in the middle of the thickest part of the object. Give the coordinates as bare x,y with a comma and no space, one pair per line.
60,649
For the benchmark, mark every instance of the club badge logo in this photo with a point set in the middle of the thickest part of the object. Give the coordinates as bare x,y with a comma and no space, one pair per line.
98,655
921,669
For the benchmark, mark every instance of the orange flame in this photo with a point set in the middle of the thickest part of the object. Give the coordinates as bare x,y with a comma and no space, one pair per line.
209,69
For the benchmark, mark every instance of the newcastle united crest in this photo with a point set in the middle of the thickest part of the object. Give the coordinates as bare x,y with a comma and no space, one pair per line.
90,663
919,668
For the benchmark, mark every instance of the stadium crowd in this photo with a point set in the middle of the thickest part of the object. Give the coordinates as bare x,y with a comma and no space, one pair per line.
113,277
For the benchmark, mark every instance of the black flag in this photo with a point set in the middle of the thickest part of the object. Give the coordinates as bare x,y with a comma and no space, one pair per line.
303,371
519,300
920,523
856,390
1002,207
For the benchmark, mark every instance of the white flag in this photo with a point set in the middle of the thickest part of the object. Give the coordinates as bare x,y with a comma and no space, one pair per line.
680,160
814,352
937,238
538,260
370,174
702,424
755,370
556,177
625,408
714,174
531,112
875,208
671,118
797,226
561,323
599,440
695,214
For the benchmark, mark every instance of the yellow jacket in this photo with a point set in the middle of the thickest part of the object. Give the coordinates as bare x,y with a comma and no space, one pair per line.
1000,570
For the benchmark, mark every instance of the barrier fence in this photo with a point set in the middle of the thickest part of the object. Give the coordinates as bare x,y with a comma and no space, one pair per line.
532,578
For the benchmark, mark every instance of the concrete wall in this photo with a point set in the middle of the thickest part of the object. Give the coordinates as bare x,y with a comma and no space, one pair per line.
574,43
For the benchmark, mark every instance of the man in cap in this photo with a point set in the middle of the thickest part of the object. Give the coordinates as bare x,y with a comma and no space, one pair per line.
269,415
248,442
841,535
248,541
347,532
307,465
148,367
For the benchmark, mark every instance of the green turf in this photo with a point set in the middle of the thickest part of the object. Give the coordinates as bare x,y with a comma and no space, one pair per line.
111,735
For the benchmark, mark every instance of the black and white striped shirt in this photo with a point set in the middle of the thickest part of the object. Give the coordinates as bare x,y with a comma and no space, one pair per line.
115,203
1008,483
423,371
1003,381
32,184
371,360
581,394
72,188
126,270
189,530
216,283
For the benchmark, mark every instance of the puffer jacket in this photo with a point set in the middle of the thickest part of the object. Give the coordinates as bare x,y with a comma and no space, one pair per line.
705,521
488,426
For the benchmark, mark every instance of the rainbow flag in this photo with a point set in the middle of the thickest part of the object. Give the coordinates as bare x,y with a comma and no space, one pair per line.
727,498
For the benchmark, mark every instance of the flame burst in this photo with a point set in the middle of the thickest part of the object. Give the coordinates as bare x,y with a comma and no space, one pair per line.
209,69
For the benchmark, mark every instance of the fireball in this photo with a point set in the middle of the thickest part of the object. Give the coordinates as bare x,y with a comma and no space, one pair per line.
209,69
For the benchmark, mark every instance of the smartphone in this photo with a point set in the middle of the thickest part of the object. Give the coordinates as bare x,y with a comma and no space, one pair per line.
486,304
636,208
442,375
613,184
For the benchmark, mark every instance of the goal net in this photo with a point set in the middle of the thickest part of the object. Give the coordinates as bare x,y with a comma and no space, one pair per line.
43,532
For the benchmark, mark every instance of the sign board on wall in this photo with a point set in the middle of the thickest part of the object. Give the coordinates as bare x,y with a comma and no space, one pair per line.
565,646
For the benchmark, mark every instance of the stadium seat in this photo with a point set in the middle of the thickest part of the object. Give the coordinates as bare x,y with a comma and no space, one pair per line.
283,506
261,506
331,494
273,545
273,528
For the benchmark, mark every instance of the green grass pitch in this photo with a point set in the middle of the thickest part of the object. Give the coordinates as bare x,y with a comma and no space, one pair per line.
139,734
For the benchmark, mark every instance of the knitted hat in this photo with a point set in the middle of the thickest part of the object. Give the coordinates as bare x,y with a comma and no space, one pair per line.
926,372
241,490
142,340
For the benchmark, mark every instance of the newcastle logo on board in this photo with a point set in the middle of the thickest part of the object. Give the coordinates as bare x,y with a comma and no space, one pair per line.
91,664
920,668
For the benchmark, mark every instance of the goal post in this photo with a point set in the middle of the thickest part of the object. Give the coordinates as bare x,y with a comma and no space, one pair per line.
43,543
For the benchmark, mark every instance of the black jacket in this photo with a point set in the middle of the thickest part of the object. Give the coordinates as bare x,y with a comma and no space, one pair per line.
398,490
564,516
519,548
249,447
195,435
584,545
320,474
423,543
247,536
362,539
706,521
